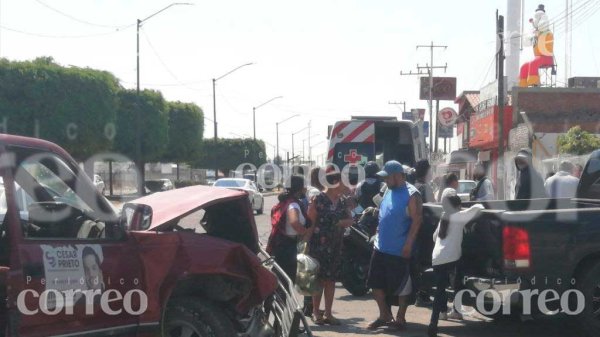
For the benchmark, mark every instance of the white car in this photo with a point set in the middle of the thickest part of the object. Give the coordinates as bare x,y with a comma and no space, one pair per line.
256,198
464,189
99,184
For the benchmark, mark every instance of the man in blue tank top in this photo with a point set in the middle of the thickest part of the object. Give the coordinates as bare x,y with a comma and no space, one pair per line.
400,217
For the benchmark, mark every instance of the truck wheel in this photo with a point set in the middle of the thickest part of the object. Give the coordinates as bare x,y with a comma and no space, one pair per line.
589,285
354,277
196,318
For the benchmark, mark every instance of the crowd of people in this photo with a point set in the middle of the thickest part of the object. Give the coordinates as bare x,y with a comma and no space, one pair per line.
318,212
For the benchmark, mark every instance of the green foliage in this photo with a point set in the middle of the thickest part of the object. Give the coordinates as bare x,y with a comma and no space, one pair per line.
154,121
73,107
228,154
578,142
185,183
186,127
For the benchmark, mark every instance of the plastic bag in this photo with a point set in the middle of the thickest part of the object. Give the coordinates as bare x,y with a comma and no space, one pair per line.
307,283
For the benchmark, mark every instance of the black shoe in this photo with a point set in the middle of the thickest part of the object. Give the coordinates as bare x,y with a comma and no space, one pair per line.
308,309
432,331
423,301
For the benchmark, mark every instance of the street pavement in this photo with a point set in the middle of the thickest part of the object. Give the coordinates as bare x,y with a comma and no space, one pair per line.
356,312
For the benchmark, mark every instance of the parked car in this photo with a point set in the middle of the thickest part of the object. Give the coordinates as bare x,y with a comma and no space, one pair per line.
99,184
158,185
536,245
464,189
254,193
181,262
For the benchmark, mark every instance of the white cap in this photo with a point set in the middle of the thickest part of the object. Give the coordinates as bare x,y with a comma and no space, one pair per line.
449,192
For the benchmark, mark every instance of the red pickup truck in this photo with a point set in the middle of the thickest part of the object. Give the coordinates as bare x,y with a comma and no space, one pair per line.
185,262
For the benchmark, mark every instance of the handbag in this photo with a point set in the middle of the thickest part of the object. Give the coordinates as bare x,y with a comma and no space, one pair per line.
307,282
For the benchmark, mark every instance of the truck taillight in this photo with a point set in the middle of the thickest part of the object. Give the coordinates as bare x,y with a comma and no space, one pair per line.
516,248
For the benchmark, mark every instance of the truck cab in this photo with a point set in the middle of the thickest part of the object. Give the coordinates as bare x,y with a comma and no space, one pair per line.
381,139
535,247
176,263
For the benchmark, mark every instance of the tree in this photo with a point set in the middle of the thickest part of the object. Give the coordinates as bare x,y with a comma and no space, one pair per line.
577,141
238,152
73,107
186,128
154,125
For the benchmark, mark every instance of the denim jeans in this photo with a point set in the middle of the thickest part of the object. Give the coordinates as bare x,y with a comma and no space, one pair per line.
442,281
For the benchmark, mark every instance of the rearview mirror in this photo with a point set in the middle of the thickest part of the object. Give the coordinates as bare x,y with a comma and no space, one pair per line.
136,217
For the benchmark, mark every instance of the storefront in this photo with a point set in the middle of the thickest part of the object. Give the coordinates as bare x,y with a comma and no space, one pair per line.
484,135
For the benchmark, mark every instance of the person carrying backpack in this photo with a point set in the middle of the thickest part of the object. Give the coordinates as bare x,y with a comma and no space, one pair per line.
288,221
484,190
370,187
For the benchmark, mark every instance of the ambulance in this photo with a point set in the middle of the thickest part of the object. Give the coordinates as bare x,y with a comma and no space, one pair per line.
363,139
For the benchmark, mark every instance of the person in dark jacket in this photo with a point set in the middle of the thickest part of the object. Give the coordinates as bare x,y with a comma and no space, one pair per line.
530,184
423,180
368,188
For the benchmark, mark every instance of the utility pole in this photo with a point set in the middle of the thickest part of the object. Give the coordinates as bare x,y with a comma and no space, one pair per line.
568,38
500,63
403,103
309,153
428,70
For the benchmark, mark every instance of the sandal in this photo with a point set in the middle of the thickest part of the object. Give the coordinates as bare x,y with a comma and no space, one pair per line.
376,324
398,324
318,319
332,321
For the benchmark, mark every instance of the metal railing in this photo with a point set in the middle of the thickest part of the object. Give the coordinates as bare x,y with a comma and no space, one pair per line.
284,305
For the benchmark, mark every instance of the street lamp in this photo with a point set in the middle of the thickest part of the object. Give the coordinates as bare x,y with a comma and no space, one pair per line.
254,112
309,138
214,82
138,118
295,133
277,130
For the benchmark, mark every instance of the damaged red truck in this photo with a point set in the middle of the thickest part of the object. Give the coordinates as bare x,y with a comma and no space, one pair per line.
185,262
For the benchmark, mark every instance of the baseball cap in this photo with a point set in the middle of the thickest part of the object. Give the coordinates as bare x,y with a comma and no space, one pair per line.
391,167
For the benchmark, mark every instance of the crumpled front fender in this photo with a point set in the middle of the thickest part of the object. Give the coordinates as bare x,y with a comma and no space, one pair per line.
169,257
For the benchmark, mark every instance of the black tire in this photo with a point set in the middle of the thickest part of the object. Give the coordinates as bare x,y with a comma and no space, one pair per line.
589,285
203,318
261,210
354,276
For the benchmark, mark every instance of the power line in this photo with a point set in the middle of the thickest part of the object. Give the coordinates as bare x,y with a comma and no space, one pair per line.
164,64
80,20
429,72
50,36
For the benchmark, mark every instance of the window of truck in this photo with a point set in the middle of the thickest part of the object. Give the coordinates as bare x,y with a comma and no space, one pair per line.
54,202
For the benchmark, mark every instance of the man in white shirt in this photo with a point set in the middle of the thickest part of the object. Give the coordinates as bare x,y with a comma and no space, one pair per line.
562,184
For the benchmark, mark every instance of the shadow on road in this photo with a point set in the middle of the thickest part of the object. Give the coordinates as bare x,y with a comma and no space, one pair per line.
471,327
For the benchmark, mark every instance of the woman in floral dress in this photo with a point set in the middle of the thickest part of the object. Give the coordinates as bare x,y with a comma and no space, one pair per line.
329,216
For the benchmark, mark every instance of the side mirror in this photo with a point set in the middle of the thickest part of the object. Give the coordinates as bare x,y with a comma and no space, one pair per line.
260,189
136,217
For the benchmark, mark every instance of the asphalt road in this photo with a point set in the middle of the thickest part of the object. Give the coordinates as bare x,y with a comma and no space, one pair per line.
356,312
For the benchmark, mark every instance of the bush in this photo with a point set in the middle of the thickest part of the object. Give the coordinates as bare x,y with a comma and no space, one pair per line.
185,183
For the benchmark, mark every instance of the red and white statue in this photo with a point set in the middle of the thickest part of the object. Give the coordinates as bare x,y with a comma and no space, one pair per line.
543,50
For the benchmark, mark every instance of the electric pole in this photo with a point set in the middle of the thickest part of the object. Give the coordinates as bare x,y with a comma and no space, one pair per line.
403,103
428,70
501,126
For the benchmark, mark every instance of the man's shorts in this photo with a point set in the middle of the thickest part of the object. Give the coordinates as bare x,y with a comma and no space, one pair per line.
390,273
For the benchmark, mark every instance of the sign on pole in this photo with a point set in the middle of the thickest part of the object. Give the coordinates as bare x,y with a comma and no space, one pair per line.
408,115
418,114
445,131
447,117
444,89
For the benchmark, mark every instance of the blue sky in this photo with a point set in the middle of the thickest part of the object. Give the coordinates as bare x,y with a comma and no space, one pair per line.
329,59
